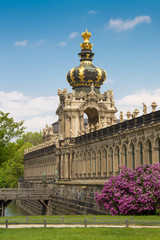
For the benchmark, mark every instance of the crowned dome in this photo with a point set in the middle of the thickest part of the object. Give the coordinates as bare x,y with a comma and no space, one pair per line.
86,74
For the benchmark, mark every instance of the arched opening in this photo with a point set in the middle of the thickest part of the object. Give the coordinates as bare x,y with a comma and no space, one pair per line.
91,119
94,163
111,161
131,163
84,165
139,154
117,159
80,165
148,152
99,162
72,165
104,161
63,168
124,155
76,166
89,166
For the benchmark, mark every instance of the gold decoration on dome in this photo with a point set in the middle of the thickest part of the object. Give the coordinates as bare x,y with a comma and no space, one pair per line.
71,74
86,62
86,44
105,74
99,72
81,70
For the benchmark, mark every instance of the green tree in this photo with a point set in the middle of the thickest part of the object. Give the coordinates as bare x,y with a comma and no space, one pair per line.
9,129
12,168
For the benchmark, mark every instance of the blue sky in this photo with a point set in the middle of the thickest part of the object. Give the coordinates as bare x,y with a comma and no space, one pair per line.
39,43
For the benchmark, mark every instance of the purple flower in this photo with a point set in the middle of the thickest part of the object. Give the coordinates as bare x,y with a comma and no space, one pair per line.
132,191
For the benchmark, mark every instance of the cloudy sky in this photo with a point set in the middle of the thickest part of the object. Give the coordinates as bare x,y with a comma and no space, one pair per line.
39,43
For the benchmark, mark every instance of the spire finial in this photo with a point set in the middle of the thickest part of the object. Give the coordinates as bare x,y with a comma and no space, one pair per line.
86,44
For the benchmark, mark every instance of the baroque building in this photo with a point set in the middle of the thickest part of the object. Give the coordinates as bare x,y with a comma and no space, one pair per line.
78,149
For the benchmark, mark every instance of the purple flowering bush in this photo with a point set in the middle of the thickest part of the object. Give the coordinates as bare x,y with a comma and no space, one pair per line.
132,192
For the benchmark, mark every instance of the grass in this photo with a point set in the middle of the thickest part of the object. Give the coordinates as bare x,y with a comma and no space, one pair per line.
141,217
108,219
80,234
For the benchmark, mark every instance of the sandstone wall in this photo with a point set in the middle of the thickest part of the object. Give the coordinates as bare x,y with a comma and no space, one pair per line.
66,200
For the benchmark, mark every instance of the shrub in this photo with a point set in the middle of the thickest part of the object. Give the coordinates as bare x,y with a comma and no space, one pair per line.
132,192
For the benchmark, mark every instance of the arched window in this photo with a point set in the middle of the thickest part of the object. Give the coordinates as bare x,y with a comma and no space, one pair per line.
105,159
99,164
117,159
150,152
94,162
80,165
84,164
125,155
141,154
111,161
133,157
90,160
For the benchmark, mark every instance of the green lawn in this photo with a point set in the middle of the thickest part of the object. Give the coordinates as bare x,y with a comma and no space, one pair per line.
80,234
108,219
142,217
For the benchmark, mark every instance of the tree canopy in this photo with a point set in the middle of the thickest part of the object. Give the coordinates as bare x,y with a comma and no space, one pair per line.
9,129
11,152
133,192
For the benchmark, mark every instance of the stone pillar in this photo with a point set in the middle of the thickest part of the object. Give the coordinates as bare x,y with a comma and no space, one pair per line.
73,126
59,167
66,166
63,166
71,166
81,122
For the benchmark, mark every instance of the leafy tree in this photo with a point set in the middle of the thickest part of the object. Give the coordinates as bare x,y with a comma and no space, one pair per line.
34,138
133,191
9,129
13,167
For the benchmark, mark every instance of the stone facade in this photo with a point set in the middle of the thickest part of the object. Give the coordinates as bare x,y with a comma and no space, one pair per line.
73,150
98,154
77,153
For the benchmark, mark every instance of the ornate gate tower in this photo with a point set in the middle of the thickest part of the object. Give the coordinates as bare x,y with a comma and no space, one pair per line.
86,80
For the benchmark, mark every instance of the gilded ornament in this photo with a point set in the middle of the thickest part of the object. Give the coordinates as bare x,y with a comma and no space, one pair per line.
71,74
86,44
99,72
81,71
105,74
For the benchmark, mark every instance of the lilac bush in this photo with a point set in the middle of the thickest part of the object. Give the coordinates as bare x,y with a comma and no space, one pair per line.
132,192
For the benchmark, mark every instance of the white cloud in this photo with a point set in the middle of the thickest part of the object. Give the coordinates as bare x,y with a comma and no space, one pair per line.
134,100
92,12
38,123
21,44
73,35
37,112
124,25
62,44
40,42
